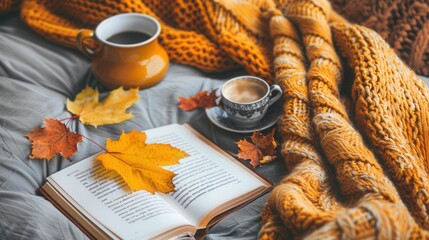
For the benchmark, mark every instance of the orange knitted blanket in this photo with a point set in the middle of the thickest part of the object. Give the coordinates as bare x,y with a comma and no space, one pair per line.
355,133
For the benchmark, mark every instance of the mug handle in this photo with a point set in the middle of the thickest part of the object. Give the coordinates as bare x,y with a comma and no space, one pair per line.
275,88
83,46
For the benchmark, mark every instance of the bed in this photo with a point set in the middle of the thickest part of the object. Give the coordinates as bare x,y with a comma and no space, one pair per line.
36,78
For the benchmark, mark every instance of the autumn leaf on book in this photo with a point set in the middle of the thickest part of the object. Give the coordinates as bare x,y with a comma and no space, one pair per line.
54,138
202,99
139,164
260,151
90,111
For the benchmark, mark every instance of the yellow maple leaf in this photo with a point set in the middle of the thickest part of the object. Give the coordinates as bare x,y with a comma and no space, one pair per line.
112,110
139,163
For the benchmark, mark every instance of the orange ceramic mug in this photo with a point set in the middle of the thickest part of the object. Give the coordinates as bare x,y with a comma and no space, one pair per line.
126,51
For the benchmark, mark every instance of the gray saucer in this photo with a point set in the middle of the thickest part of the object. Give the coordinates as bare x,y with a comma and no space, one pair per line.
219,118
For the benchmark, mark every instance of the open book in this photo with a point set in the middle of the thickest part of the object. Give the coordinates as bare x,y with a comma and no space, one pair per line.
209,184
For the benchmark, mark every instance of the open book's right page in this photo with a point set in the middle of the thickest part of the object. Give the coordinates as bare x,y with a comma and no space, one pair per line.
207,178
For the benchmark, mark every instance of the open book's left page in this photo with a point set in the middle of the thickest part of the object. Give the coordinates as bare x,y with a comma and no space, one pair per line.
104,196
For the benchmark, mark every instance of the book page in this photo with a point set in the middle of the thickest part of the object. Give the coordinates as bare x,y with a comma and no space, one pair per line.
205,179
104,195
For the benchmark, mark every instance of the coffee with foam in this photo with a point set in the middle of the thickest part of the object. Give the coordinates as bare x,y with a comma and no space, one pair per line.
244,90
246,100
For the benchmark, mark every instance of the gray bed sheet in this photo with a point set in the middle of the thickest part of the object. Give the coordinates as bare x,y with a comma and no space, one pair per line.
36,77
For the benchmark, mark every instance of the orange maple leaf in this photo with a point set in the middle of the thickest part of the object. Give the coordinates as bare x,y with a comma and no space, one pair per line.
202,99
262,150
52,139
248,151
139,163
267,144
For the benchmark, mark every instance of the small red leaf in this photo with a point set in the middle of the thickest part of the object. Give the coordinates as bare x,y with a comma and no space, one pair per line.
249,151
52,139
267,144
209,100
262,150
202,99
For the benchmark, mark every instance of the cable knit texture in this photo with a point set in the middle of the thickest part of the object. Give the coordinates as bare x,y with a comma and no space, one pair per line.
403,24
385,96
355,123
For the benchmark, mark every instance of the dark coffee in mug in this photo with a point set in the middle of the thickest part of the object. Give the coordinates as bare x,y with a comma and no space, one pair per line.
128,37
127,52
245,90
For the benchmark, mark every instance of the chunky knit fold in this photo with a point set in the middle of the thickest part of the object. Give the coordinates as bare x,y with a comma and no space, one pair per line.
226,34
368,176
403,24
210,35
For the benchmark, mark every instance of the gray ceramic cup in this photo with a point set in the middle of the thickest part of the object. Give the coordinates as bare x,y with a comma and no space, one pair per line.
246,99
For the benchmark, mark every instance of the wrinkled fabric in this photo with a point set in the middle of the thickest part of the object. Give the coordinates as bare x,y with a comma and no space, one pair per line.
36,77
